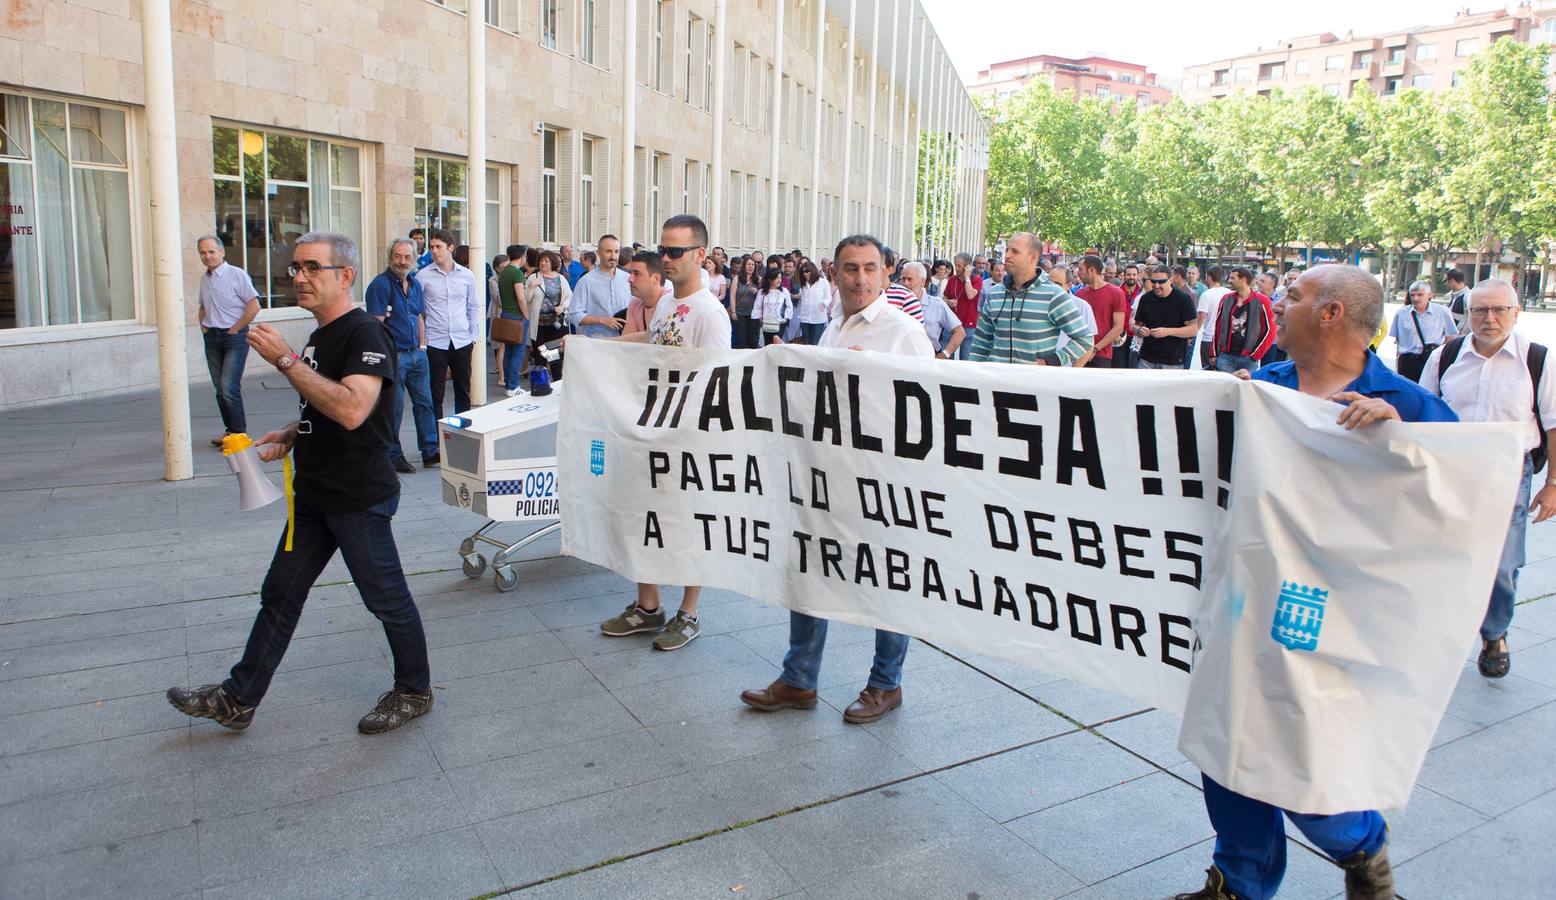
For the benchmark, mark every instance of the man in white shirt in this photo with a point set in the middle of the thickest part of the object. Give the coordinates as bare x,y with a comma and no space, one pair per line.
1209,304
692,319
452,306
228,303
869,322
1486,377
944,329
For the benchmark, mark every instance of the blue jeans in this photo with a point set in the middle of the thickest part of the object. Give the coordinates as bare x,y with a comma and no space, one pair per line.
808,638
1504,591
513,355
413,381
1251,838
1230,363
964,351
366,542
812,332
225,355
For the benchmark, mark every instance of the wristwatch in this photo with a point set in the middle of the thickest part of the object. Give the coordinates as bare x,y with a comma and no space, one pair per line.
286,362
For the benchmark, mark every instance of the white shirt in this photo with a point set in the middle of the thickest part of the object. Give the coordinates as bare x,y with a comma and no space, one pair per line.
881,327
1494,389
1210,304
698,321
775,303
1086,313
225,292
452,306
815,300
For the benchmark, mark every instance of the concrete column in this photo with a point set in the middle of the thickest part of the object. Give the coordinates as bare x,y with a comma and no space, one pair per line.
475,186
775,128
716,160
629,117
815,144
848,112
933,156
867,214
156,34
910,168
891,123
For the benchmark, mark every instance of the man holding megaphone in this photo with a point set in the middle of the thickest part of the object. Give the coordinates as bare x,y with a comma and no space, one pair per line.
346,493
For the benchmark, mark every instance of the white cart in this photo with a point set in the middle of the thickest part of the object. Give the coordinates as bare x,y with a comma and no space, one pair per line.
499,461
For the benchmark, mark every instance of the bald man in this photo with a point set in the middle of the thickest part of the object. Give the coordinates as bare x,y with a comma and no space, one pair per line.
1495,375
1324,322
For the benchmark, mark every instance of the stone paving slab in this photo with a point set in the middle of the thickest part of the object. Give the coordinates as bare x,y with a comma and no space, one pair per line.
553,749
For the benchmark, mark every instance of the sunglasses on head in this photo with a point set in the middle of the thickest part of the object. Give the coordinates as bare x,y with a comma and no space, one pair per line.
675,252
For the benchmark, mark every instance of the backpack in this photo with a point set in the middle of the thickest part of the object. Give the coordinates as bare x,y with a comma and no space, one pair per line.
1536,361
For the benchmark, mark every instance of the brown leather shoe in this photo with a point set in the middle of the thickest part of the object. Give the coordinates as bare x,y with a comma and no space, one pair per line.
873,703
778,696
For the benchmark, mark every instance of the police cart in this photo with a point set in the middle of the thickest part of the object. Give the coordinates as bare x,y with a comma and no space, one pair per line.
499,461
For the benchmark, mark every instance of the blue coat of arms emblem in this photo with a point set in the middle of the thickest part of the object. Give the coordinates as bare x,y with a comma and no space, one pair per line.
1299,615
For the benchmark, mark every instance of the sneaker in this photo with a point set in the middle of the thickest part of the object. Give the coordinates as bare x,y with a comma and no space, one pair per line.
1215,888
403,465
682,630
633,621
395,708
210,701
514,392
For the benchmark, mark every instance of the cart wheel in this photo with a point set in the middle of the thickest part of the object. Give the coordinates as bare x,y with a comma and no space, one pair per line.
474,565
507,579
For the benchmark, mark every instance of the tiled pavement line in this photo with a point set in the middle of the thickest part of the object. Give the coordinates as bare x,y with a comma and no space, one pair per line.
1080,727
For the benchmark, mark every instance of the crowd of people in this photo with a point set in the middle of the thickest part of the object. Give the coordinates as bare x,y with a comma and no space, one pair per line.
1313,330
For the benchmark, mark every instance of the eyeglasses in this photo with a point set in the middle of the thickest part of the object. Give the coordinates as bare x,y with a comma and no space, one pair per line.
309,267
675,252
1160,280
1480,312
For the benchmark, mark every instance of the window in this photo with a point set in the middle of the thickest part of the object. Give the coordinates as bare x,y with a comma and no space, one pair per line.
1426,51
587,35
664,45
656,215
1221,77
1391,86
594,195
1332,89
737,106
708,37
1102,91
586,184
548,165
1203,81
1396,56
1243,75
1421,82
1548,31
271,188
1466,46
693,25
1456,80
548,23
1272,72
1363,60
503,14
1302,67
64,214
1334,63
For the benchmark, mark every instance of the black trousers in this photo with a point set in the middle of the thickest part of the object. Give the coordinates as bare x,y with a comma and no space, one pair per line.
440,360
749,331
1411,364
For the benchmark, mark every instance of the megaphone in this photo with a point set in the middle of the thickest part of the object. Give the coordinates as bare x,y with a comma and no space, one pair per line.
254,487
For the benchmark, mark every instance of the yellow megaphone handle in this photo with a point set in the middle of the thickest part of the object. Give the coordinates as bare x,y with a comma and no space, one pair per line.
291,507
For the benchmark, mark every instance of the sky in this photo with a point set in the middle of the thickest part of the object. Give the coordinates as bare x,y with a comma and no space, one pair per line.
1166,37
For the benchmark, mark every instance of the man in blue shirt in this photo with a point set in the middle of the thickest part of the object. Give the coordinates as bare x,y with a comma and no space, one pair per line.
571,267
395,299
601,296
423,254
1324,322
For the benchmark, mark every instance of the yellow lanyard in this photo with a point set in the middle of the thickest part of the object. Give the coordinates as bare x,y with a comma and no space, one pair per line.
291,509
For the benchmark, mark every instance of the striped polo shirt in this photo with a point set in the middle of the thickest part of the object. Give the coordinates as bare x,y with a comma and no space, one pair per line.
1022,325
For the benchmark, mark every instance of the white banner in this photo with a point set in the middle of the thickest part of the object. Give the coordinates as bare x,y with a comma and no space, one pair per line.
1075,521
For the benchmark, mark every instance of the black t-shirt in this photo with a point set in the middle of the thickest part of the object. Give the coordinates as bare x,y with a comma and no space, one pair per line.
1172,311
341,470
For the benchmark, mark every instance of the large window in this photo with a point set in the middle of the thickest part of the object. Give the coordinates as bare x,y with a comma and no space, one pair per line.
442,197
273,187
548,24
1426,51
548,164
1466,46
65,230
586,34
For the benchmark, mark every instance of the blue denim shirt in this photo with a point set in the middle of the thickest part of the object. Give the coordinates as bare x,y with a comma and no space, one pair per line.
1414,403
400,308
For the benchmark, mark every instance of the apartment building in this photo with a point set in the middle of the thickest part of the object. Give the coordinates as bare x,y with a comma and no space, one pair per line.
1090,76
354,116
1428,57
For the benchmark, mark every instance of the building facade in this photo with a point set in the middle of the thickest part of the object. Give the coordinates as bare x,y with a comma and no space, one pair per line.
1091,76
1429,58
355,115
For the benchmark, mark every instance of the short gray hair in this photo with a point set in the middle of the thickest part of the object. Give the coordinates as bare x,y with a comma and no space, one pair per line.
1420,285
395,243
1495,285
1358,291
915,264
343,250
962,258
209,237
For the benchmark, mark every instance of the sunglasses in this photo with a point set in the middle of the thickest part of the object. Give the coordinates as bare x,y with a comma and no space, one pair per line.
675,252
1160,280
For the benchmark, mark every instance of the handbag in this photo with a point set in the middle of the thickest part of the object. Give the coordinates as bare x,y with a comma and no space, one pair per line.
508,331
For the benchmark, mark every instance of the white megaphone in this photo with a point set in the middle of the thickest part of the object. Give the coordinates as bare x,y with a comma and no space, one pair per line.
254,487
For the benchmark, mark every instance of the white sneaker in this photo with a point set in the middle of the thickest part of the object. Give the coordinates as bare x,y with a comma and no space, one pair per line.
516,392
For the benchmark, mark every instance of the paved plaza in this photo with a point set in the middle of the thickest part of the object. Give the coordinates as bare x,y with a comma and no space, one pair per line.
560,763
